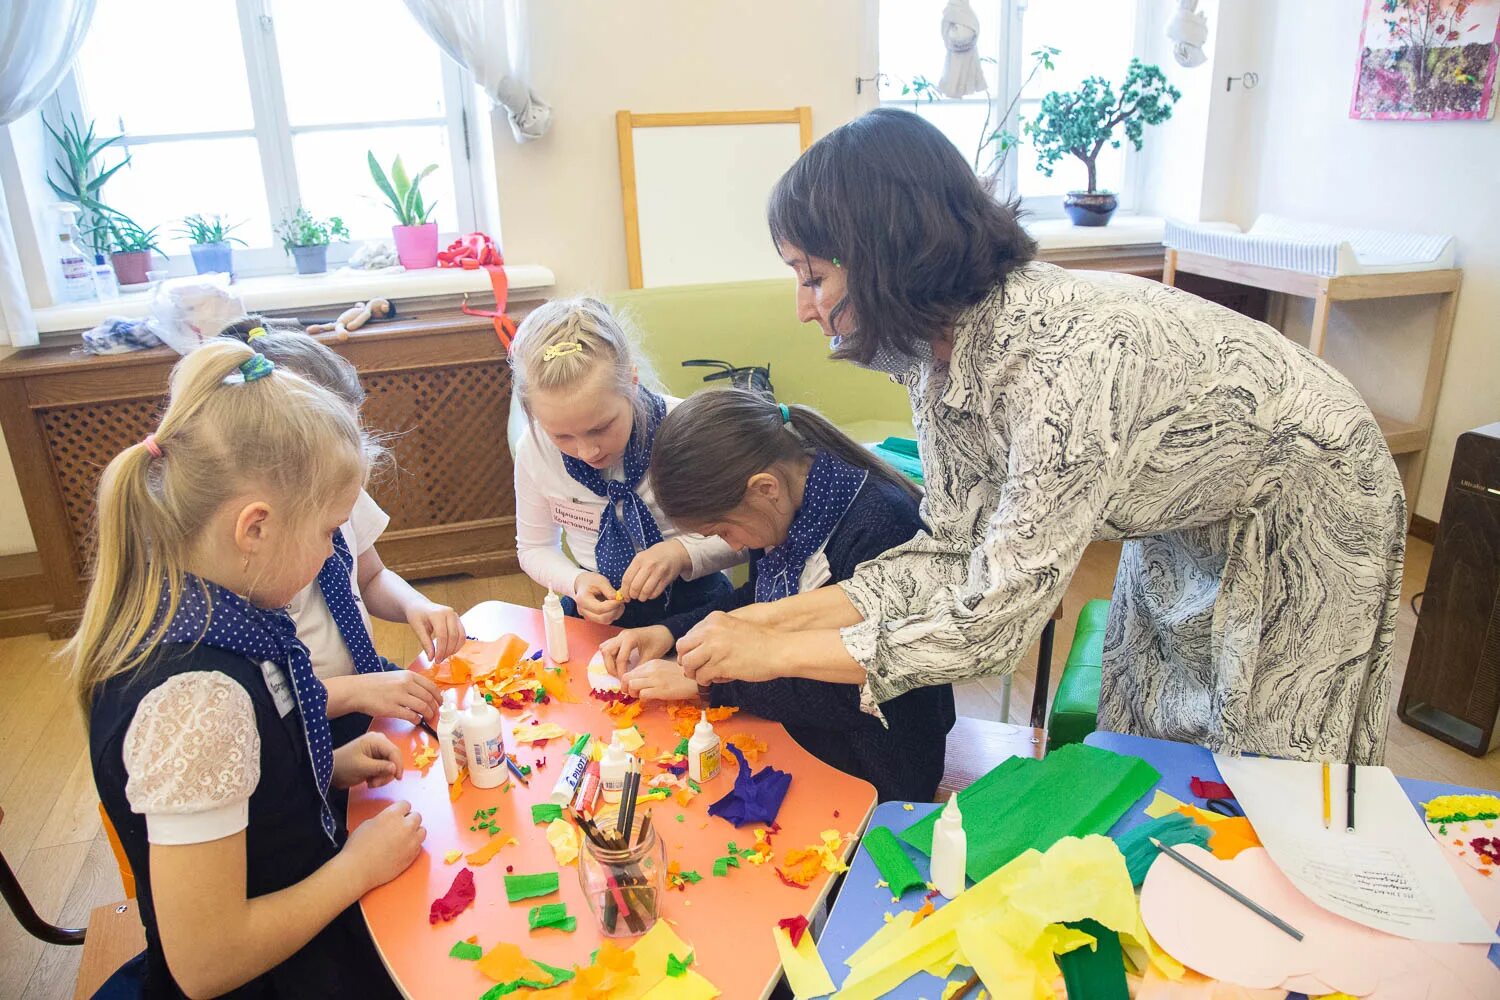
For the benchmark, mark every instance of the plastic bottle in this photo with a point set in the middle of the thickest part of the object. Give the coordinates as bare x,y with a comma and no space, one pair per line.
554,628
703,751
106,285
612,769
77,275
450,737
482,735
950,850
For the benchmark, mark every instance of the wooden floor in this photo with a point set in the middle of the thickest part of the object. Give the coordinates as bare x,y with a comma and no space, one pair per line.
52,837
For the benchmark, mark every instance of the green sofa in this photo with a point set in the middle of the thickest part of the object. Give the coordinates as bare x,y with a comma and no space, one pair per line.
1075,709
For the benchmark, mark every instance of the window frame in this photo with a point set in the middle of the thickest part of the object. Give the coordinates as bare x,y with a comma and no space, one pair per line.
1010,64
274,134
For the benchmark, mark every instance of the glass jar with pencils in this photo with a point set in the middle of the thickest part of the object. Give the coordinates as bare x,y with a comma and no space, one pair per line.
622,877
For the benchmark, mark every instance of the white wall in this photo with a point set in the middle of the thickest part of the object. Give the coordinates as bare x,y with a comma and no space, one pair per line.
560,195
1316,163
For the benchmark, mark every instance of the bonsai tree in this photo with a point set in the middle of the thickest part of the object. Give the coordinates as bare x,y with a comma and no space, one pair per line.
404,194
1080,123
300,229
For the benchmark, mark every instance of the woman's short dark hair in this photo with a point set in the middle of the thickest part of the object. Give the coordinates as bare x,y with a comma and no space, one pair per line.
892,199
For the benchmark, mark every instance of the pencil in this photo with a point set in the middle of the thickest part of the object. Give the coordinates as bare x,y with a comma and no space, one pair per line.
516,769
1327,808
1349,808
1229,890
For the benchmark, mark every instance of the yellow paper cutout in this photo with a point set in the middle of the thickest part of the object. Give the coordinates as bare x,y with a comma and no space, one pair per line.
543,731
631,739
688,986
564,840
650,953
489,850
804,968
452,856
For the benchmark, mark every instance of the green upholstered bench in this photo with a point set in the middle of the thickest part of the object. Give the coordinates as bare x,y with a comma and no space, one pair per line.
1075,710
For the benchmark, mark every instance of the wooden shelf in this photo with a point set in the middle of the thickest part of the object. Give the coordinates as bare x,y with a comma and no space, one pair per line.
1401,437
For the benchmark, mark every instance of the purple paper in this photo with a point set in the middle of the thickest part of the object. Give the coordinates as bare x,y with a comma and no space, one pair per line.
755,798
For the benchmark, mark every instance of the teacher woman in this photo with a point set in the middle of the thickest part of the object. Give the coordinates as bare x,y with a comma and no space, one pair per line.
1262,517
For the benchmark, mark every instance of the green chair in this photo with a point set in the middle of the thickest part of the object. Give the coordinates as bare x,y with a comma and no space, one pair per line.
1075,710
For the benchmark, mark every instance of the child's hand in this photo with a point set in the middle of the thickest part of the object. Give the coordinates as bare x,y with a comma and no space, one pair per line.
635,645
438,628
596,598
396,694
386,844
371,759
661,680
650,571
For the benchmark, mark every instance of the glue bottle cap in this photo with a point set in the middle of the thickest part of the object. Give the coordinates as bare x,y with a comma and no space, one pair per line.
950,813
704,727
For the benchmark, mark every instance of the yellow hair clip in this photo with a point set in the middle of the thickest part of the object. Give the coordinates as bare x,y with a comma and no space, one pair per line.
562,350
258,331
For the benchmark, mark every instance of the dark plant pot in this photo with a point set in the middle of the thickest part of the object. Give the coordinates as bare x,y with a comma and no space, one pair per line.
311,260
1087,209
211,257
130,268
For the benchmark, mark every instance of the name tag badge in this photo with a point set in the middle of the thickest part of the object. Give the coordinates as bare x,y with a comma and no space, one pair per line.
577,514
279,686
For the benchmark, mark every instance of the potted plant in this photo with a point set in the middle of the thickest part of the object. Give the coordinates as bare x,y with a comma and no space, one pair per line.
416,237
307,239
130,247
1079,123
210,241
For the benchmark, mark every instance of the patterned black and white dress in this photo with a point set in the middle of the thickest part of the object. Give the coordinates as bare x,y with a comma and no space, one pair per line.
1264,522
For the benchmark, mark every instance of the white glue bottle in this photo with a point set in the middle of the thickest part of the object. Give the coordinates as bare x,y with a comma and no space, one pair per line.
482,735
703,751
554,628
950,850
451,749
612,769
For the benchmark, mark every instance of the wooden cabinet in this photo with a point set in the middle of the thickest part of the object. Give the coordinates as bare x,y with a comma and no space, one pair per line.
438,387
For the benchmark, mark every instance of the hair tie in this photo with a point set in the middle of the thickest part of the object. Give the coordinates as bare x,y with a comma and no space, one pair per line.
838,263
786,414
562,350
150,442
255,367
258,331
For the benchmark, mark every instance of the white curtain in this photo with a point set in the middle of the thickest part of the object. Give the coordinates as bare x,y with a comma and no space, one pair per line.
38,40
488,38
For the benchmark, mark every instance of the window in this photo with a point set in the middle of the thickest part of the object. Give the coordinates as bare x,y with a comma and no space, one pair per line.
1094,37
249,108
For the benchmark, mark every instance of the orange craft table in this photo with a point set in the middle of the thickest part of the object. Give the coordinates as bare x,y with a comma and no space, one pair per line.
727,920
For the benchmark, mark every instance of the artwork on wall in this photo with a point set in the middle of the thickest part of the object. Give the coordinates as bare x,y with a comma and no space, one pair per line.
1427,60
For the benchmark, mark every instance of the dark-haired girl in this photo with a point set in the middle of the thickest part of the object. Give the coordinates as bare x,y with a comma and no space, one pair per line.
811,505
1262,516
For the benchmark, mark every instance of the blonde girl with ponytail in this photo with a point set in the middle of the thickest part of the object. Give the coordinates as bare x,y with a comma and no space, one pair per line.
581,475
207,728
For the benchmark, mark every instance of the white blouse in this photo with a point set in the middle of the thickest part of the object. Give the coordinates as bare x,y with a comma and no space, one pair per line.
192,756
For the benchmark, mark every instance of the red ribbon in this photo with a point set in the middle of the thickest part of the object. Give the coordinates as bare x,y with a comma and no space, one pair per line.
472,252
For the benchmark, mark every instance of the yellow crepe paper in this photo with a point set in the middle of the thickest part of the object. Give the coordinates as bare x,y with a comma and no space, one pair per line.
564,840
804,968
452,856
543,731
489,850
631,738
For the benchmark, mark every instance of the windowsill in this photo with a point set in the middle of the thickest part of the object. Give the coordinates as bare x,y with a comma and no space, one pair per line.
1122,231
343,287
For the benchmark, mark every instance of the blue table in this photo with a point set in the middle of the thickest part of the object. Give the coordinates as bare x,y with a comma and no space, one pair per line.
860,908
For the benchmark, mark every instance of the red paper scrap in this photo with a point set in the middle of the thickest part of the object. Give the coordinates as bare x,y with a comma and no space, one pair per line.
457,899
795,927
1211,789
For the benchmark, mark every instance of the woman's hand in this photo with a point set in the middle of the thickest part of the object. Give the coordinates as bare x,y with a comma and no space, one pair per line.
596,598
651,571
394,694
386,844
724,648
371,759
635,645
437,626
659,680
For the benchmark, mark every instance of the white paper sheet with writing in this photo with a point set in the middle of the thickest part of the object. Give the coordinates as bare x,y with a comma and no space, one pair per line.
1389,874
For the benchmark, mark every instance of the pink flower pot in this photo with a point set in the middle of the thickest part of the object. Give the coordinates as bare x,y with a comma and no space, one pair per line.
416,246
130,268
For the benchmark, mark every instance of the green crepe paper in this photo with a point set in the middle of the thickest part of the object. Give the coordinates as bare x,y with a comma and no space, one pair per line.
559,976
467,951
1024,804
721,867
690,876
895,867
518,887
1098,972
677,967
553,915
1171,829
682,746
545,812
